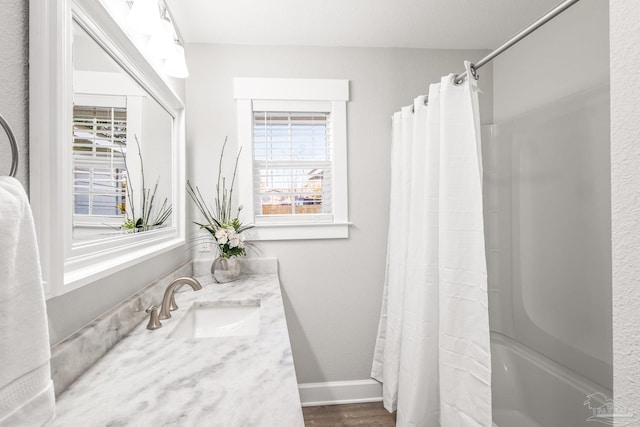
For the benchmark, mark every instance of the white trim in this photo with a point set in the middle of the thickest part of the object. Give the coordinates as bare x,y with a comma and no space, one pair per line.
93,100
94,82
245,163
49,23
284,220
299,231
292,106
340,392
340,188
291,89
97,268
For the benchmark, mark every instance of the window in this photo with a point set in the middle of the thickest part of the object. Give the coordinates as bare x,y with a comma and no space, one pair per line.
104,128
99,146
294,173
292,162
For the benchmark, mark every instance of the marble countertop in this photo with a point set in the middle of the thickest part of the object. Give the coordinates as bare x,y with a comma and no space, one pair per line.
148,379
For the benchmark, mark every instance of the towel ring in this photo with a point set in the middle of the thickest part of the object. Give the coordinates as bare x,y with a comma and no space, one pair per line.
14,146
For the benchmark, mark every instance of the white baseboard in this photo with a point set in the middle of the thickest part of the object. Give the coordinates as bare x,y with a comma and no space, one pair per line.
340,392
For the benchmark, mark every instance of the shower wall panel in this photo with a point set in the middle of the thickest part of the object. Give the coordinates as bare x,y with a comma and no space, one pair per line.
561,252
496,162
551,289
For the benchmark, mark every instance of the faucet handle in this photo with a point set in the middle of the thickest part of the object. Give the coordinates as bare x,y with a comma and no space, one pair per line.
154,322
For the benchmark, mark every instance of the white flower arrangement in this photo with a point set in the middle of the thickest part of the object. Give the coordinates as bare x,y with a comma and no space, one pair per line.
227,230
229,236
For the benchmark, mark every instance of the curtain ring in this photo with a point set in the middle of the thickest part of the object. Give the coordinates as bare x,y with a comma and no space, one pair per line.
457,80
474,72
425,102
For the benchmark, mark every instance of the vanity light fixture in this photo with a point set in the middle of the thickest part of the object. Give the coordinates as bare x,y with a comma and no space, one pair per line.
176,65
161,43
144,17
153,18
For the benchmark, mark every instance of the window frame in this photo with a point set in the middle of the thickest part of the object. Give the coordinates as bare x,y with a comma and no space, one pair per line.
68,265
295,92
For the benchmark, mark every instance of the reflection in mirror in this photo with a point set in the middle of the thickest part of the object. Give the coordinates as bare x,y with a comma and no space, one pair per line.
122,149
105,129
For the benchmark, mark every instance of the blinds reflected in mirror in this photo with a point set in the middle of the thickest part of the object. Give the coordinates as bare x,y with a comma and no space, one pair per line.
99,172
292,161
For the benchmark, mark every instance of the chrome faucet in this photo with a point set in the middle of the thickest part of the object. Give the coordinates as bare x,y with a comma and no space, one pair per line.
169,302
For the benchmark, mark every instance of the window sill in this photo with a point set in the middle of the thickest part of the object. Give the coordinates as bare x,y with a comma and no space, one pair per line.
303,231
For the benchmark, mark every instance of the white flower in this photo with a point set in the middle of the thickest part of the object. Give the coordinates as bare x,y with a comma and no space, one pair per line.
222,236
232,237
241,238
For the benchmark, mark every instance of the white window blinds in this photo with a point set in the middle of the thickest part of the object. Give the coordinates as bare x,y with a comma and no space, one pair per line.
292,164
99,144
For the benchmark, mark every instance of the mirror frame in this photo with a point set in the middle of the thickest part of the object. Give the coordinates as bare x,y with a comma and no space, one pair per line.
67,266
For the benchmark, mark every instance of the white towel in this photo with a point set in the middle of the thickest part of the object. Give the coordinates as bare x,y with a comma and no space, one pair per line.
26,389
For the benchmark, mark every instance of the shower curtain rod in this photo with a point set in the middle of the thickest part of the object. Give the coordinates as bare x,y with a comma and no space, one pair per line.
459,78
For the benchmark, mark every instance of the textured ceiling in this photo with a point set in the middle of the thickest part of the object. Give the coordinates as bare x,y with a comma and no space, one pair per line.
445,24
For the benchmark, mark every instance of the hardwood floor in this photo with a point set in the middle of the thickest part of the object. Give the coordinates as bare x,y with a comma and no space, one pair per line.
358,414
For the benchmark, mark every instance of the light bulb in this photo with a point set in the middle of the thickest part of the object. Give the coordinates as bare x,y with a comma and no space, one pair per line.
161,44
176,65
144,17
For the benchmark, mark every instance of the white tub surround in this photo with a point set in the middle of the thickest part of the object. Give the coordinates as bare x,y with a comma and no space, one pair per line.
531,390
149,379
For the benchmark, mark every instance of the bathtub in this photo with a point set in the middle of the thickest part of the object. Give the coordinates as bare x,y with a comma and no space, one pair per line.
530,390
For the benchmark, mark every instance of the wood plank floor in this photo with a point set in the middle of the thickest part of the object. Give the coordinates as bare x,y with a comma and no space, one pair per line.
358,414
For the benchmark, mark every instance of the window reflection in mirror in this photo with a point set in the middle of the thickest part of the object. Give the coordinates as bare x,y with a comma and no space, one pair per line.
122,149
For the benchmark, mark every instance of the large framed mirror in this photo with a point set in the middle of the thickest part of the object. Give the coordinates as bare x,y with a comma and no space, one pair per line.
107,147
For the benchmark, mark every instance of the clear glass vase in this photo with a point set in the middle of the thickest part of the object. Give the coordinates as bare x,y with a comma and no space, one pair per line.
225,270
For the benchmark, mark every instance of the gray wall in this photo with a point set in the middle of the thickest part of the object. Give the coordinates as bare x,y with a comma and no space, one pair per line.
551,106
332,288
71,311
14,82
625,200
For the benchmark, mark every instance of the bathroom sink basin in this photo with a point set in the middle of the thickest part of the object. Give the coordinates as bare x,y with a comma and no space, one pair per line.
219,319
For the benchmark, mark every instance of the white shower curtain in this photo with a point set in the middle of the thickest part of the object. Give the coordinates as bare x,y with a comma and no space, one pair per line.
432,352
